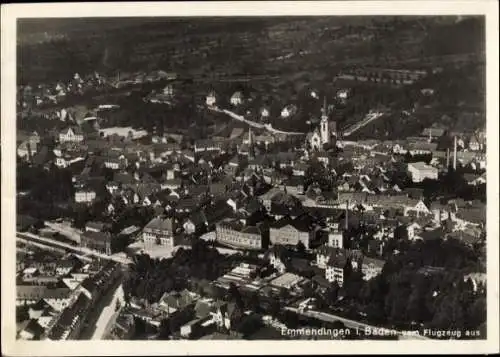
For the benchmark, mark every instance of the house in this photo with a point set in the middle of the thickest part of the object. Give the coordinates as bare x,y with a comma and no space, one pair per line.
288,111
85,195
98,241
69,324
475,144
211,99
371,267
27,149
288,231
226,314
159,231
421,148
73,134
335,237
96,226
420,171
475,180
234,234
300,169
195,223
432,133
264,112
236,99
278,257
336,269
31,331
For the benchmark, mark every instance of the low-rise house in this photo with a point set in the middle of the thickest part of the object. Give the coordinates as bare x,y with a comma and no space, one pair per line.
420,171
195,223
72,134
211,99
234,234
371,267
237,98
226,314
97,226
85,195
278,257
31,331
69,324
159,231
288,231
98,241
335,237
289,111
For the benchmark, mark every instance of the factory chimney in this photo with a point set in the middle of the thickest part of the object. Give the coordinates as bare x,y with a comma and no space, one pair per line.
447,158
346,214
454,153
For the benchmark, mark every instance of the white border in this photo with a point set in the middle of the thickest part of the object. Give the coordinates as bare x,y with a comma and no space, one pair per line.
10,13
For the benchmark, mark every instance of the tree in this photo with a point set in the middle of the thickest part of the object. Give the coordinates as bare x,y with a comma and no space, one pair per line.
301,248
22,313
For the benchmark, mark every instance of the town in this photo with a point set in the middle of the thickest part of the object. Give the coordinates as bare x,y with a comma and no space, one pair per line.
155,206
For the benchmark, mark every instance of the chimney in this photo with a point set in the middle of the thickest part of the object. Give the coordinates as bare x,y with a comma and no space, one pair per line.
454,153
346,214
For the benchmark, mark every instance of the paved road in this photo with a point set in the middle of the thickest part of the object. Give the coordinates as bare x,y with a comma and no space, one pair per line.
84,251
349,323
108,315
268,127
368,119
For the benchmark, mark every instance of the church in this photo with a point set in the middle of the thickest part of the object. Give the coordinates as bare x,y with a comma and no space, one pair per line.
324,134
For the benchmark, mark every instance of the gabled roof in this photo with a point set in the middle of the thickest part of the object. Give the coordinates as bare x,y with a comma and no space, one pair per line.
161,224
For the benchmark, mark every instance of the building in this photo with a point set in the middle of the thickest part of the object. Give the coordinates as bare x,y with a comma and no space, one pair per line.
96,226
211,99
335,237
322,136
234,234
237,98
420,171
85,195
288,111
27,149
98,241
288,231
278,257
73,134
159,231
372,267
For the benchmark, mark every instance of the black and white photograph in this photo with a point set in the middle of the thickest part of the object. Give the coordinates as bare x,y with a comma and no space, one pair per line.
180,178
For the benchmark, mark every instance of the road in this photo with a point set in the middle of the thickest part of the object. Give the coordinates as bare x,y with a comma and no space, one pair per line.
108,315
367,119
70,232
81,250
349,323
268,127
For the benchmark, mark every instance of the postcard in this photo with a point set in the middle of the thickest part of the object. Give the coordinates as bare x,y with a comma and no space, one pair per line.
250,178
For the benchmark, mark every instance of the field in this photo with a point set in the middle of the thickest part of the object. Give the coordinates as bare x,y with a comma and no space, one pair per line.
277,59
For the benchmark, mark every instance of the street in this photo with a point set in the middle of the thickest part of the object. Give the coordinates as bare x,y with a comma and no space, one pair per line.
84,251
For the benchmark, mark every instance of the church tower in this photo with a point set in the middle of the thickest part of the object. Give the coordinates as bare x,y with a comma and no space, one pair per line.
325,125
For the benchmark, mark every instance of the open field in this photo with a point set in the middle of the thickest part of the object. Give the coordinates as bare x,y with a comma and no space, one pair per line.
276,59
